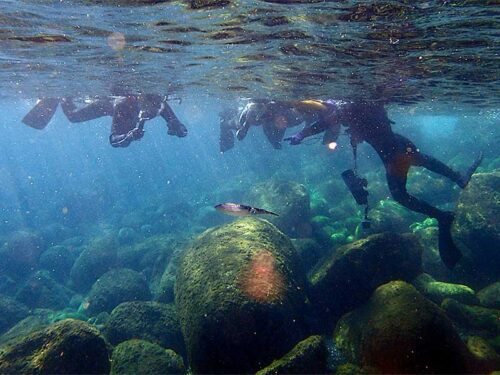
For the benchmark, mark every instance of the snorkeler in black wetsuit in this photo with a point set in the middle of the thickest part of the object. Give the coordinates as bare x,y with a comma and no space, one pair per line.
274,117
368,122
129,113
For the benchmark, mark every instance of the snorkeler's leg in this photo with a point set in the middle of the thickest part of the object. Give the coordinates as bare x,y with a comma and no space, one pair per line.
175,126
41,114
274,135
226,138
449,253
99,108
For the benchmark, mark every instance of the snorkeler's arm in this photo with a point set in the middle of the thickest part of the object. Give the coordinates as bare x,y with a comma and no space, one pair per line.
175,126
308,131
99,108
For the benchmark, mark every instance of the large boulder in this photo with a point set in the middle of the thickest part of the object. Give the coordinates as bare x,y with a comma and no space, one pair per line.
143,357
114,287
288,199
67,347
240,297
11,312
20,253
477,226
307,357
98,258
490,296
399,331
151,321
58,260
346,279
475,318
41,290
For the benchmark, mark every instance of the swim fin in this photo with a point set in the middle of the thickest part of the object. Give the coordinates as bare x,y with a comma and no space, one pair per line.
470,171
450,254
42,113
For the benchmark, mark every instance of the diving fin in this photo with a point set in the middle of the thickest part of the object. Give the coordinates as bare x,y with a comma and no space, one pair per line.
42,113
450,254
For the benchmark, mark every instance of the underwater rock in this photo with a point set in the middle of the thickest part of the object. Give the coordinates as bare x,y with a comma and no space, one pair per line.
151,321
67,347
389,215
490,296
288,199
7,285
309,251
485,355
41,290
240,285
431,260
166,289
20,253
94,261
423,183
307,357
54,233
114,287
143,357
477,226
127,236
58,260
348,277
473,317
437,291
399,331
40,319
11,312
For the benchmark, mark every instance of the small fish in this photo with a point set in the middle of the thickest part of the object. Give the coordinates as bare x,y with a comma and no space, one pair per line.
235,209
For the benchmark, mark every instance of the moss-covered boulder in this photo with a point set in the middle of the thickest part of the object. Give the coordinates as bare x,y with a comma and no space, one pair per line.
477,226
41,290
58,260
389,215
67,347
347,278
240,297
19,254
11,312
143,357
151,321
114,287
473,317
437,291
485,355
39,319
98,258
310,252
307,357
288,199
490,296
399,331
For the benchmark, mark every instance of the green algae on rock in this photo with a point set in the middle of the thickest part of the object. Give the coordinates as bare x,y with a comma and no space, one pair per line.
347,279
288,199
11,312
437,291
143,357
399,331
477,226
114,287
490,296
42,291
307,357
151,321
484,354
67,347
240,297
473,317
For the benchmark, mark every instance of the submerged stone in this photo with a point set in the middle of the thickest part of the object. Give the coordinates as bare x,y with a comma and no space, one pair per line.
474,317
11,312
399,331
240,285
308,356
477,226
347,279
484,354
41,290
143,357
151,321
490,296
67,347
114,287
20,253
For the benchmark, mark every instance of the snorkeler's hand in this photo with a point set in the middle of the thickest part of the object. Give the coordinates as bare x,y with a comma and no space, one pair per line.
294,139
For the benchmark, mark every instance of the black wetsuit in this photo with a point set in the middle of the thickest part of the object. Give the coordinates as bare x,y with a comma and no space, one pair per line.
129,114
368,122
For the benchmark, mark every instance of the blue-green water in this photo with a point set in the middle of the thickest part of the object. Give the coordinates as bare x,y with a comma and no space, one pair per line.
73,208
